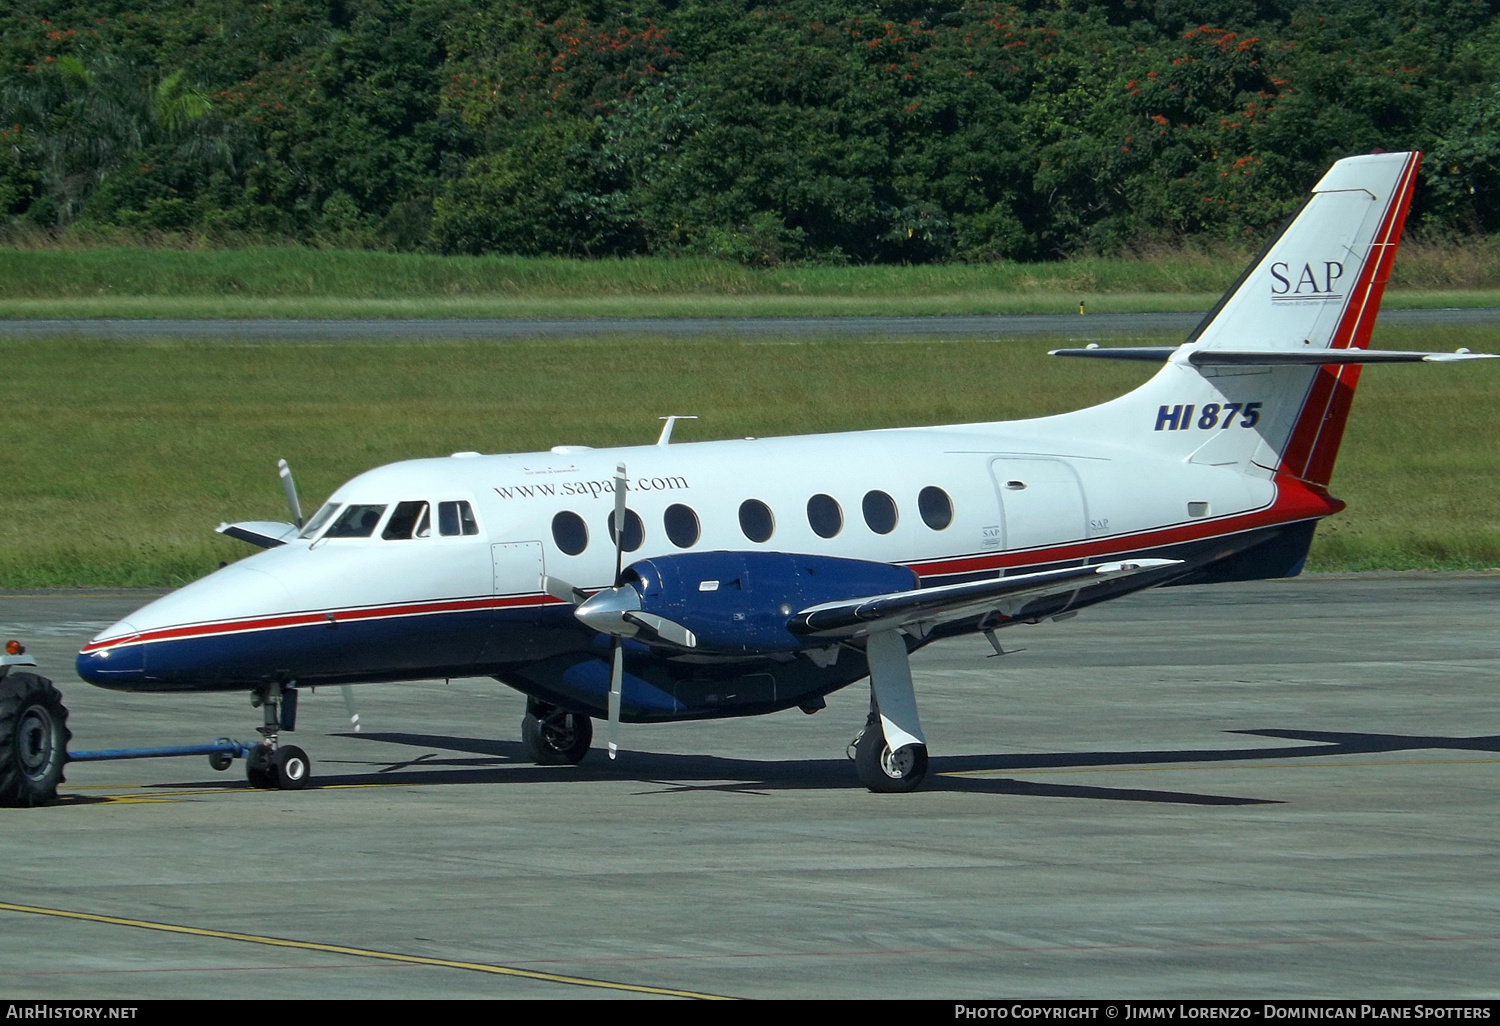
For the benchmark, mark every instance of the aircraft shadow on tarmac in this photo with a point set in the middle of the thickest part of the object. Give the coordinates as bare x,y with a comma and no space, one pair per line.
466,760
491,760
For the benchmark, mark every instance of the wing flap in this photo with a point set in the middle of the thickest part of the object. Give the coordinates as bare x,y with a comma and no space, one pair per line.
946,602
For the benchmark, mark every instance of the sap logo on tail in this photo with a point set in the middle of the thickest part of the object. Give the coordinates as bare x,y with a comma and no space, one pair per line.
1307,284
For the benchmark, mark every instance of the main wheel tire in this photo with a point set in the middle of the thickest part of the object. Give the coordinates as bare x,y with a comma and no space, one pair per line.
884,771
556,738
258,768
34,740
292,767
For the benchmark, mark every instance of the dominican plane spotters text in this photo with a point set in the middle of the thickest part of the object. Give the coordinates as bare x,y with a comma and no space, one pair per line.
733,578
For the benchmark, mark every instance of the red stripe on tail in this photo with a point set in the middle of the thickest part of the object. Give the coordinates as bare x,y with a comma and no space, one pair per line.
1314,443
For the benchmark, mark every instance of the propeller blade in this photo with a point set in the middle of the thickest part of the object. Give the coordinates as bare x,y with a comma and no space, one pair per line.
619,521
616,684
290,488
349,704
665,629
563,591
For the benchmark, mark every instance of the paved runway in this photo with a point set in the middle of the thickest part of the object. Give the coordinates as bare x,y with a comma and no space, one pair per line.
1108,325
1271,789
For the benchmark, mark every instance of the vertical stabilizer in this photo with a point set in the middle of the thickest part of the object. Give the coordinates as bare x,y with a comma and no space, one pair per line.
1317,285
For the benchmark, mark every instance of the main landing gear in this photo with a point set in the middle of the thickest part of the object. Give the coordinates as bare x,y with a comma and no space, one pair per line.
271,765
890,754
554,736
882,770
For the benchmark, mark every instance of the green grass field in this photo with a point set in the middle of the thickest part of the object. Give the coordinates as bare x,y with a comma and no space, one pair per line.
297,282
123,457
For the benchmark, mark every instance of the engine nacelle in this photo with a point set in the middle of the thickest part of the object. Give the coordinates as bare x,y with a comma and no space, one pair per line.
741,601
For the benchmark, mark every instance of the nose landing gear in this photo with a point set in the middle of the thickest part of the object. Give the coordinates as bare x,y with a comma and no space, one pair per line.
270,765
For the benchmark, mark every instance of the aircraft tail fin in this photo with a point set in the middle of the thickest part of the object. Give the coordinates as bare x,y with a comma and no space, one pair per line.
1316,286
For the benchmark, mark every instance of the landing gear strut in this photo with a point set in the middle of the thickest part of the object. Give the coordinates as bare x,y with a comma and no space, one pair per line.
890,754
554,736
271,765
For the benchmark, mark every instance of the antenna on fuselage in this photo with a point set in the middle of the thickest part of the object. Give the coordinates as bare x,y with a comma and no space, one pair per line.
666,430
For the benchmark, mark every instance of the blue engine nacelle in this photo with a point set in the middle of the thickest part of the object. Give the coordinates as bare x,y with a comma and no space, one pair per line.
741,601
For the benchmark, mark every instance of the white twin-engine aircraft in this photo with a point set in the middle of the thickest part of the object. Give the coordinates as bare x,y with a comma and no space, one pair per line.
752,576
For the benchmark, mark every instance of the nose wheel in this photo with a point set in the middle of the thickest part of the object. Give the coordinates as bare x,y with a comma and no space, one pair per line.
272,766
282,769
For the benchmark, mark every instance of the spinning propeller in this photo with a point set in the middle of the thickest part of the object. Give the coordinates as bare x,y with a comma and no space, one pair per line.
616,611
289,488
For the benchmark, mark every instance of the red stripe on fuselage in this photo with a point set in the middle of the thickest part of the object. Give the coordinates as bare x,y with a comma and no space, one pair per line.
312,618
1295,501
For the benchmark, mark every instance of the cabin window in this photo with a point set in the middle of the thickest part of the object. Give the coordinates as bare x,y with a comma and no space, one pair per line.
635,531
825,516
456,518
756,520
682,525
319,519
570,532
935,506
410,520
356,522
880,512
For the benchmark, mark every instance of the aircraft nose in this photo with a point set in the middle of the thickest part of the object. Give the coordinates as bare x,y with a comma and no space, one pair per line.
112,660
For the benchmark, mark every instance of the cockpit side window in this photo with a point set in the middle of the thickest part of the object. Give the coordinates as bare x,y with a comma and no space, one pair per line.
356,521
319,519
456,518
408,521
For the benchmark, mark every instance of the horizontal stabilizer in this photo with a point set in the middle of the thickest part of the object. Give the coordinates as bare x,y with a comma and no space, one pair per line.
1142,354
267,534
947,602
1271,357
1321,357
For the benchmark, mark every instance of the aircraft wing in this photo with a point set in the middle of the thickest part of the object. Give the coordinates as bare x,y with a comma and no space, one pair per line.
874,613
265,533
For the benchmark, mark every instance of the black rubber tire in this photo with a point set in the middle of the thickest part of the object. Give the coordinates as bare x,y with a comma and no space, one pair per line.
879,771
557,737
258,768
220,761
292,767
34,740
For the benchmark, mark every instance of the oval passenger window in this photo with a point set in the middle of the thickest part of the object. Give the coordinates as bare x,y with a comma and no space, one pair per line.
681,524
635,530
570,532
880,512
824,515
935,506
756,520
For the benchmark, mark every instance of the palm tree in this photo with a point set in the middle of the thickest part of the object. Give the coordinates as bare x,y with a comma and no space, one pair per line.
85,121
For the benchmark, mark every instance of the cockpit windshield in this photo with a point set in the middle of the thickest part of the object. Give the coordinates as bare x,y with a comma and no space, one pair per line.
356,522
319,519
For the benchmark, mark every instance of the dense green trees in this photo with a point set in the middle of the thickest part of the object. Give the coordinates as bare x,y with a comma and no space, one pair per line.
830,130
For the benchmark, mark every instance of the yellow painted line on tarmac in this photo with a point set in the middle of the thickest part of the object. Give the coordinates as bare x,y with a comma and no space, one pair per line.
340,949
1196,767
